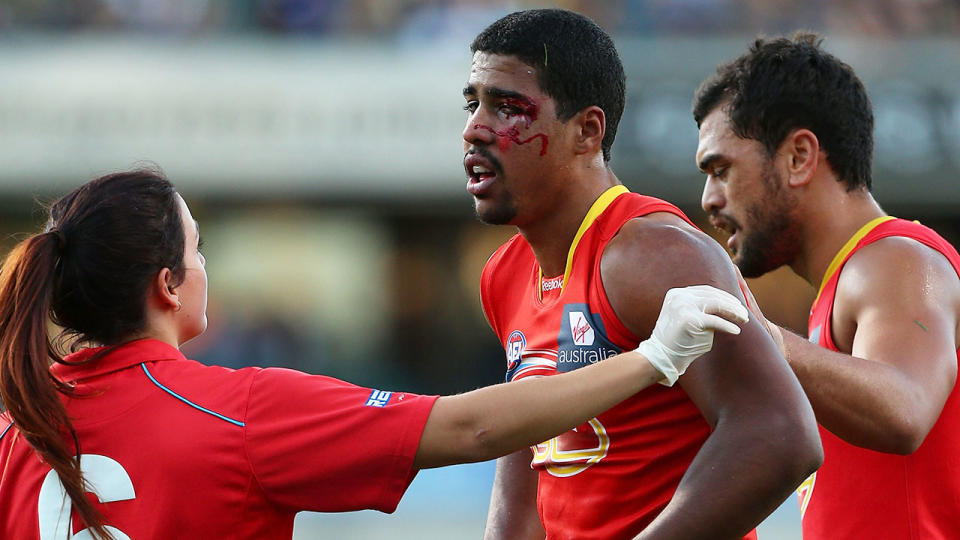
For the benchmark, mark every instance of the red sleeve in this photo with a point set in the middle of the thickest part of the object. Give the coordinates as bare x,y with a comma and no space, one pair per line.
317,443
485,291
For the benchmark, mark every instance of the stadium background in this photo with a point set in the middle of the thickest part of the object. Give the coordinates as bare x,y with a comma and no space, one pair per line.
318,143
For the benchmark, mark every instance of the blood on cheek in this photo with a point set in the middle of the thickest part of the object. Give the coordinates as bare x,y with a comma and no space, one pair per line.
512,134
527,115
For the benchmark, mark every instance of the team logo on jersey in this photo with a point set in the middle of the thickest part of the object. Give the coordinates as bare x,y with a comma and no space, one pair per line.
516,343
580,329
815,335
378,398
573,452
582,340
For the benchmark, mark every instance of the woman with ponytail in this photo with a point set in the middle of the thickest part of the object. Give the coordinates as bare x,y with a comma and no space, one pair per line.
125,438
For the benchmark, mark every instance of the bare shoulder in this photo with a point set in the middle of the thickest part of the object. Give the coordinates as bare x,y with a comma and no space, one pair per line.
743,377
663,249
893,267
652,254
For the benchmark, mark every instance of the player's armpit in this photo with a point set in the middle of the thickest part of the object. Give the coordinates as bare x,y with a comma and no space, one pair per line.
513,501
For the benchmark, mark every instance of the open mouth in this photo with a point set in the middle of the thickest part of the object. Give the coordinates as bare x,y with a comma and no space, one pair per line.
731,241
480,174
728,227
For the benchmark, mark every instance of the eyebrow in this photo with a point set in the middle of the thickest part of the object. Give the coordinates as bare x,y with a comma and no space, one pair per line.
709,160
494,91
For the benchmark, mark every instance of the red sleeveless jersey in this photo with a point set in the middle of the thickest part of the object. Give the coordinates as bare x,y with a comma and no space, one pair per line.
611,476
860,493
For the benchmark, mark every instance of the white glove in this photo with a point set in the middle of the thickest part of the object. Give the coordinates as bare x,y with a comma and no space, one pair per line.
684,329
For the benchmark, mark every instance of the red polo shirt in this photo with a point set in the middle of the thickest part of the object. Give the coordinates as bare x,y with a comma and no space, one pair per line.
177,449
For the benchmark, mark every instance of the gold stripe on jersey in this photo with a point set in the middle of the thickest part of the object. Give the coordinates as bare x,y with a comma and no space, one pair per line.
601,204
847,248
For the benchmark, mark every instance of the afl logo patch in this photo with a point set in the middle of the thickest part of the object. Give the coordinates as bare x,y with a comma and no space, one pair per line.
516,343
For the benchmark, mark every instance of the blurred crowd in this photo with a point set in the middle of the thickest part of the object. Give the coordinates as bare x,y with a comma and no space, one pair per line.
419,326
457,19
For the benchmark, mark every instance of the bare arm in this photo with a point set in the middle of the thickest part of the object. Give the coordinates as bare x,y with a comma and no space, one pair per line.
764,440
513,503
895,316
486,423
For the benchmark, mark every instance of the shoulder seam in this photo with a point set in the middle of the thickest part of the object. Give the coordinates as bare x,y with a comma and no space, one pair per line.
187,401
6,429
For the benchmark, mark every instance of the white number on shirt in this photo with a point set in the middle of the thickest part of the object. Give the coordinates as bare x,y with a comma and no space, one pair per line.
108,481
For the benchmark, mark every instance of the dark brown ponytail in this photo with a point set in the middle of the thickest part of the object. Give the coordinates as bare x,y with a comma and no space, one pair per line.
27,388
88,273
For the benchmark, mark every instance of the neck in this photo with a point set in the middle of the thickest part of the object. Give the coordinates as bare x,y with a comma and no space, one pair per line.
551,233
828,225
161,326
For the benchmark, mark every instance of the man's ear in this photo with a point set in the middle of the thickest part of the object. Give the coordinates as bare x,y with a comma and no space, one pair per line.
801,149
162,291
591,125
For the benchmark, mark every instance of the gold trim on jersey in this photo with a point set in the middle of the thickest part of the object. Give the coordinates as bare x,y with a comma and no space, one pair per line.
805,493
847,248
601,204
563,462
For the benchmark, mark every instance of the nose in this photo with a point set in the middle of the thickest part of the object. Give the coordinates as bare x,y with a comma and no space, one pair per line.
475,133
712,199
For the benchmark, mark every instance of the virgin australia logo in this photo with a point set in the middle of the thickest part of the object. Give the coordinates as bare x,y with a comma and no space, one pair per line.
580,329
582,339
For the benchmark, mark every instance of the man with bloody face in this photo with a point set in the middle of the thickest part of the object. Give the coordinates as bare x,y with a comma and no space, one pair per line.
583,279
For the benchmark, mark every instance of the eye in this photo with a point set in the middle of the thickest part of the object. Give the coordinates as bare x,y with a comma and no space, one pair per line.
509,110
720,172
200,243
471,106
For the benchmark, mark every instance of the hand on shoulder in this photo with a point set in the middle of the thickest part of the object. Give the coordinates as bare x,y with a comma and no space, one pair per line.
654,253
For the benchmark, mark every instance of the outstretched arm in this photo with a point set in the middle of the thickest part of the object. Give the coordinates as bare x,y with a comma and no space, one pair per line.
764,440
484,424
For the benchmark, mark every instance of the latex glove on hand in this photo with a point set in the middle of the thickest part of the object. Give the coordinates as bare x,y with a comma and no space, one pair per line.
685,327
